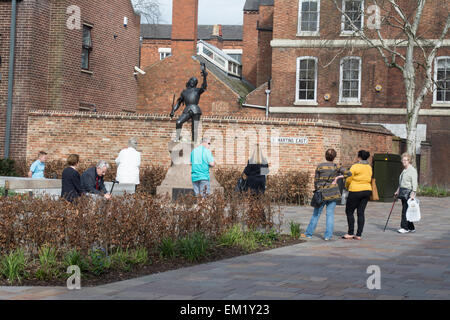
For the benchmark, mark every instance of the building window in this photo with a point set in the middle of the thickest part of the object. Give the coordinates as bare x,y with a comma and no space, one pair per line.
306,79
308,17
442,80
354,9
164,53
350,85
219,58
87,47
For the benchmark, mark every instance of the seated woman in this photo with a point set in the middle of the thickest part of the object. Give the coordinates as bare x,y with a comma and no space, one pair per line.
71,181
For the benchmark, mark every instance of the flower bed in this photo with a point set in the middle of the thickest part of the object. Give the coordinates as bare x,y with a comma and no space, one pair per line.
129,236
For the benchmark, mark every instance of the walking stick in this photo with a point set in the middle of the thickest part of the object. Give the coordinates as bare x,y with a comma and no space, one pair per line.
112,188
395,200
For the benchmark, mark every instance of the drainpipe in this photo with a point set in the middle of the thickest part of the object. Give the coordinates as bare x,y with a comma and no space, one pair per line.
12,45
267,97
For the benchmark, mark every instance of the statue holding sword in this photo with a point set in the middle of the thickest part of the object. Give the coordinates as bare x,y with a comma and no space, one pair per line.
190,97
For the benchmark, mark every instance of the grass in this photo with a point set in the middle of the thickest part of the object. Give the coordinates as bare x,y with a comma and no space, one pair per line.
247,239
99,261
295,229
193,247
167,248
433,191
75,258
13,265
48,263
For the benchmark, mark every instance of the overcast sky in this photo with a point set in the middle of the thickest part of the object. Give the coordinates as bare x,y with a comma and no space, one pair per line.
210,11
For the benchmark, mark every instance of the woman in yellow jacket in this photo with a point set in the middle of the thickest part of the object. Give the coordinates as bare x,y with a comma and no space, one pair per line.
360,189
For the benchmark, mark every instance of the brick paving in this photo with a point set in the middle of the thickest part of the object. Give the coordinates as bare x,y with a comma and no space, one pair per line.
413,266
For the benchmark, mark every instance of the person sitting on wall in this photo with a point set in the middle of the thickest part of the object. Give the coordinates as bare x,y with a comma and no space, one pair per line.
92,180
71,182
38,166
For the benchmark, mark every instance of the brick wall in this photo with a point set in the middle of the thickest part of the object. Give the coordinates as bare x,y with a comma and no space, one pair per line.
184,26
102,136
169,76
250,46
48,61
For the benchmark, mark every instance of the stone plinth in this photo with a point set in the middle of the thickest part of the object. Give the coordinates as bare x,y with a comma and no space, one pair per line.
178,177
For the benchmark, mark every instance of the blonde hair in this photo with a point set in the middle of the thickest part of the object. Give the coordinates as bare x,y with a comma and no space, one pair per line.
407,156
257,156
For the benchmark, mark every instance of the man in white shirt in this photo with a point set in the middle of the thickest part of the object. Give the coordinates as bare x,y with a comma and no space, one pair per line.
128,163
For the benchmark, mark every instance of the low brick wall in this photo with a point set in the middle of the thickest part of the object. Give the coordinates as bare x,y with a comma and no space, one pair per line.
103,135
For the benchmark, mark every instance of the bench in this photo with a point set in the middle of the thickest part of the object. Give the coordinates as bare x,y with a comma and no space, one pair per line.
51,187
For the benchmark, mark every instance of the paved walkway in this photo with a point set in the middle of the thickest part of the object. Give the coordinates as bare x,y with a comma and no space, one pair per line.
413,266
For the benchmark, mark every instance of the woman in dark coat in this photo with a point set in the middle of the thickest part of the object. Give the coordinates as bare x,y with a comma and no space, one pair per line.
256,170
71,181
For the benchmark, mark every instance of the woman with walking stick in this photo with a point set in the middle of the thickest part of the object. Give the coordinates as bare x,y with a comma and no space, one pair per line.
406,190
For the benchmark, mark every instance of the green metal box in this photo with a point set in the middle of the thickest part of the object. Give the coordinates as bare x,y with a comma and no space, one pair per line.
387,169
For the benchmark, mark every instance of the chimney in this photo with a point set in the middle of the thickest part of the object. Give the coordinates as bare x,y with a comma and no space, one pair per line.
184,27
216,37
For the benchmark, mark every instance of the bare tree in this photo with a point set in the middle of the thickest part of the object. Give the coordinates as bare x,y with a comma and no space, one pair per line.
410,51
148,9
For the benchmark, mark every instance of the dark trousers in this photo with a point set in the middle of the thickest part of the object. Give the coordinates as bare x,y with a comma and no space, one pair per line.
356,200
405,224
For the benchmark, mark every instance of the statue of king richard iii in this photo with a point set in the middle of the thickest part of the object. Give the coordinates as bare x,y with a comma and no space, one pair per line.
190,97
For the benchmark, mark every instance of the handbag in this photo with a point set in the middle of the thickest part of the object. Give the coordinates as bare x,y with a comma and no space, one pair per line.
403,193
317,199
374,196
241,185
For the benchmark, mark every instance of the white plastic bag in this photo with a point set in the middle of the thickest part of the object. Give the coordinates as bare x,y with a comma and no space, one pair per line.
413,212
344,196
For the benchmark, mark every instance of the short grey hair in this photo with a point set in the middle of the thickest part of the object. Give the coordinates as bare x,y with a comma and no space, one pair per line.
102,164
132,143
206,139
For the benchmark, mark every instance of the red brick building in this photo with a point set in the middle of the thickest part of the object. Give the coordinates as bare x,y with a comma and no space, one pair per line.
320,70
157,45
166,78
69,55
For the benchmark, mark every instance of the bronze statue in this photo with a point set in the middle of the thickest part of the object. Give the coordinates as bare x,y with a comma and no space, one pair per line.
190,97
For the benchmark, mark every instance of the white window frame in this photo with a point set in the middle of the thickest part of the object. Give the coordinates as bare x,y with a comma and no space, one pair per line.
167,52
307,33
299,101
351,32
343,100
437,103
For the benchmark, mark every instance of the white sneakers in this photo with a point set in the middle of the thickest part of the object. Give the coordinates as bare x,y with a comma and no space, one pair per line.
405,231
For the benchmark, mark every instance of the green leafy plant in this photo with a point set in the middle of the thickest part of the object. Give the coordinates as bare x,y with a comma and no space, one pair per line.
167,248
295,229
139,256
433,191
75,258
237,237
48,262
7,167
193,247
13,265
100,262
121,259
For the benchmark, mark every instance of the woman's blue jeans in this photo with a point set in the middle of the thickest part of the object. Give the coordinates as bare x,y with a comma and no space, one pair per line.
331,205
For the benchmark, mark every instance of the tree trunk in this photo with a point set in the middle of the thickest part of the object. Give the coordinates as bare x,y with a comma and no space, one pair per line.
411,112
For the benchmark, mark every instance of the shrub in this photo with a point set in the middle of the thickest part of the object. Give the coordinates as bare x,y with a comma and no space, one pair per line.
237,237
433,191
13,265
7,168
100,262
48,262
139,256
193,247
121,259
167,248
295,229
290,187
75,258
